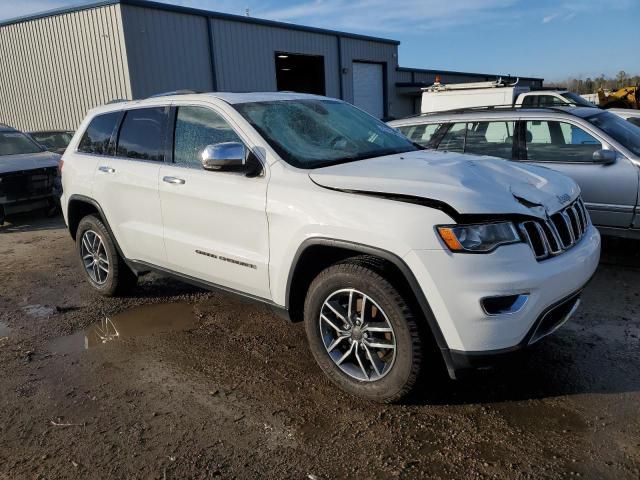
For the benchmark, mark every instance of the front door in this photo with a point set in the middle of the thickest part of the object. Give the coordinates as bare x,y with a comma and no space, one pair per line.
215,222
609,191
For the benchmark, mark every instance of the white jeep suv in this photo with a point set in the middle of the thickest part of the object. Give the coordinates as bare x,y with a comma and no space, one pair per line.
330,216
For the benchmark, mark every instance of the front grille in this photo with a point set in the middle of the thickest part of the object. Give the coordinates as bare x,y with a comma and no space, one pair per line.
560,232
29,184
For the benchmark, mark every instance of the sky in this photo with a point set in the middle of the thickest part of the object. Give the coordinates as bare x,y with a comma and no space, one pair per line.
553,39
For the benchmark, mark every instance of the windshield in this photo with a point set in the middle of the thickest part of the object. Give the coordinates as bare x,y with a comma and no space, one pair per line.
622,131
52,139
15,143
316,133
578,100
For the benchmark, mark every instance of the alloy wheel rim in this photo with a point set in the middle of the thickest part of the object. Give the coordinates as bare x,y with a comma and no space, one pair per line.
94,257
357,335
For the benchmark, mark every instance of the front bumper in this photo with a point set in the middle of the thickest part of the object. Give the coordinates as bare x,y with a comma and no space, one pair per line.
454,285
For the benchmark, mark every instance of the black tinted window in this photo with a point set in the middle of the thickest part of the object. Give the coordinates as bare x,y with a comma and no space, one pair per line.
197,127
96,138
634,120
142,134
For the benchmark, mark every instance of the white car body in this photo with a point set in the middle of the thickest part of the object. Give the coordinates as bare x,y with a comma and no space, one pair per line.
629,114
390,205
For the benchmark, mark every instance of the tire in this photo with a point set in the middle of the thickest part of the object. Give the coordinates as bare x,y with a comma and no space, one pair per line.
118,277
396,374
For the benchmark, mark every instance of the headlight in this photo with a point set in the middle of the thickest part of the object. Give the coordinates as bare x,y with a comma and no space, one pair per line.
481,238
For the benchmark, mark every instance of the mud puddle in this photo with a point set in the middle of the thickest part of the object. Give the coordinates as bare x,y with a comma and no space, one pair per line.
137,322
4,330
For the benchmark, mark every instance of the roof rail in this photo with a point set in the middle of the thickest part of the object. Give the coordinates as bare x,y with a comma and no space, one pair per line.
559,108
175,92
117,100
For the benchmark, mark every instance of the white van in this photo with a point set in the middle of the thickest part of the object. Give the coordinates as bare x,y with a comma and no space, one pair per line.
440,97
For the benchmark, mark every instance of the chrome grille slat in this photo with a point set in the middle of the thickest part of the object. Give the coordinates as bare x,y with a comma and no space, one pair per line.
558,233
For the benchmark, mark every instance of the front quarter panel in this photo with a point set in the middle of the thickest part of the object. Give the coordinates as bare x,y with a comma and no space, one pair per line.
299,210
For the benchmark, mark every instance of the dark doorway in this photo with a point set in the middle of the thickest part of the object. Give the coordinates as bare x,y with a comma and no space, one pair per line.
300,73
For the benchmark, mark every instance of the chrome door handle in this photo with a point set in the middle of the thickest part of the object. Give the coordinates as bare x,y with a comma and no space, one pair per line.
173,180
107,169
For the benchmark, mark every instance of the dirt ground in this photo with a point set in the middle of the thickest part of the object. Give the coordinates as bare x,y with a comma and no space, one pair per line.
203,385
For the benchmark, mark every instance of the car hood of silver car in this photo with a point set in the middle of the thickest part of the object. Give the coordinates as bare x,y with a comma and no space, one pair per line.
469,184
28,161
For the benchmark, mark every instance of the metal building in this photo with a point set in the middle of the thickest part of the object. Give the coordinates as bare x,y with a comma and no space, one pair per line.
57,65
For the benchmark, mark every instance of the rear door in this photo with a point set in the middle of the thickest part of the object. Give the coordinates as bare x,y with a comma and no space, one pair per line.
215,222
609,191
126,185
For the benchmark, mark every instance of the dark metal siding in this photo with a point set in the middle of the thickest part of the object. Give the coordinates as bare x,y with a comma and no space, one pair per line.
56,68
245,55
166,51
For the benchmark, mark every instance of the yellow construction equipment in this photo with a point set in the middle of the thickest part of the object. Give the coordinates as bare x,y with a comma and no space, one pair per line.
626,97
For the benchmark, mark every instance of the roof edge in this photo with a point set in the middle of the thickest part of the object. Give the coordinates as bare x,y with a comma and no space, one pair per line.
196,11
453,72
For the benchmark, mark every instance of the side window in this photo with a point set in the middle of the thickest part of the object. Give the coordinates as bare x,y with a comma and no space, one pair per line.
420,134
98,134
550,101
197,127
490,138
530,101
142,134
453,140
550,141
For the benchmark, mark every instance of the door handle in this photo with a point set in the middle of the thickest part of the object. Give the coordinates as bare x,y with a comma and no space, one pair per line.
173,180
107,169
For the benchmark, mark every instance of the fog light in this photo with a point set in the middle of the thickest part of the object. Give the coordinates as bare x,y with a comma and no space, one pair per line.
502,305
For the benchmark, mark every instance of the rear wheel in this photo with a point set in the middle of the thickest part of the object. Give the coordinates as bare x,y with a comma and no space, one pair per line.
104,268
362,333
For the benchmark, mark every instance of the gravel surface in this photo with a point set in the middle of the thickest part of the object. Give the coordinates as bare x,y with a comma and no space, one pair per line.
184,383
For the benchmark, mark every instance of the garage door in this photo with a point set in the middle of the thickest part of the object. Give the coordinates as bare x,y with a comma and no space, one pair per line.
368,88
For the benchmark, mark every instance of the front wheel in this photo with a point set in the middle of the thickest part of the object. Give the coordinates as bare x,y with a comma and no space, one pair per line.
362,333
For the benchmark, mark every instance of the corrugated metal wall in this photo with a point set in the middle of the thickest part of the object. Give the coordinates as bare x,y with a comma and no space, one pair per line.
245,55
54,69
166,51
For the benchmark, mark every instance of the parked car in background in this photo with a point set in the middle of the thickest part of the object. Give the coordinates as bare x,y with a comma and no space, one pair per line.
53,140
598,149
445,97
28,174
329,216
629,114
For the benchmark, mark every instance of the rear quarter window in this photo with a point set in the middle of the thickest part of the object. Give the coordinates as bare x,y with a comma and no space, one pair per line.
97,137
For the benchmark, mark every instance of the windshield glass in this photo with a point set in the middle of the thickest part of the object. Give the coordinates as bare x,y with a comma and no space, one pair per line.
577,100
624,132
309,133
15,143
52,139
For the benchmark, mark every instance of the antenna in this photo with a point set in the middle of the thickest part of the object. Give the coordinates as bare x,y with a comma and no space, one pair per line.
247,12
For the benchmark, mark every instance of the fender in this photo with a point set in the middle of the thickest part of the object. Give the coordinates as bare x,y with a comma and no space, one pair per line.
404,269
103,217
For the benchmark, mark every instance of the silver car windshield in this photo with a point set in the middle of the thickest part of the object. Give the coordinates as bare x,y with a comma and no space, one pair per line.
311,133
626,133
16,143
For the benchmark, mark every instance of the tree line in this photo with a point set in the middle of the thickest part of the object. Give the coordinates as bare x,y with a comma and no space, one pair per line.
591,85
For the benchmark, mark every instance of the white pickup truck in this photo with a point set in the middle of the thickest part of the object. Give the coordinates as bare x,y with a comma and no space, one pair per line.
440,97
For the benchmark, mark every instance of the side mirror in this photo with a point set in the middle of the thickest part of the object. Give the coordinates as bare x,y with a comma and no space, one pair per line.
224,156
604,157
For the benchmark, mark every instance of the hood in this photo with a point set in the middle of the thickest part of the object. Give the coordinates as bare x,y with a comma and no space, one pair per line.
469,184
28,161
